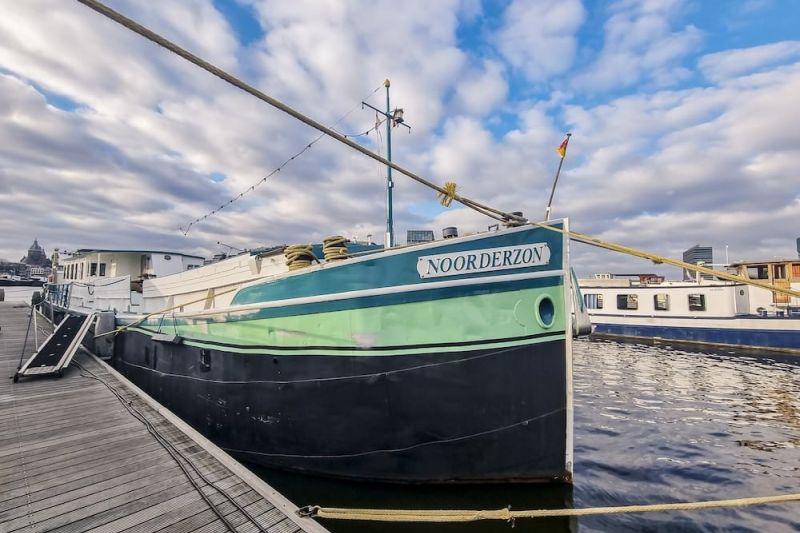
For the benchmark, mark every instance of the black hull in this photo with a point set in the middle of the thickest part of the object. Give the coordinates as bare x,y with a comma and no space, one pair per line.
494,415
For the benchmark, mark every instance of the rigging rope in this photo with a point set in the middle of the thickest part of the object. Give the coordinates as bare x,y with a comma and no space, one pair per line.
491,212
216,71
660,259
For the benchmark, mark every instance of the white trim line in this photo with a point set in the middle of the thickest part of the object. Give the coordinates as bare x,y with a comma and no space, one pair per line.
414,287
569,299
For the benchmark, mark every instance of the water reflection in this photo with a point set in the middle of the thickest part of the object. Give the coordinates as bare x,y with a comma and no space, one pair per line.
337,493
653,424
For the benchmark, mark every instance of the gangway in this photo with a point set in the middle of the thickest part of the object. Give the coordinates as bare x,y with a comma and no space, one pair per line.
58,349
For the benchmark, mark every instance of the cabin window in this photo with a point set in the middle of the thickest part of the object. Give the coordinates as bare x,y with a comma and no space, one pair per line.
92,269
593,301
795,270
627,301
102,269
661,302
758,272
778,271
697,302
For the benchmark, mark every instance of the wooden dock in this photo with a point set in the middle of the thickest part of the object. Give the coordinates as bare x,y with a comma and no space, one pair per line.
90,452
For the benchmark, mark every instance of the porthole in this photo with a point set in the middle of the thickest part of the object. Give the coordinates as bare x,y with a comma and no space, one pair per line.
545,311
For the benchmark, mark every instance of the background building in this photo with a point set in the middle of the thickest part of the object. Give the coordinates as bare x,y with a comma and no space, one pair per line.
34,263
697,254
416,236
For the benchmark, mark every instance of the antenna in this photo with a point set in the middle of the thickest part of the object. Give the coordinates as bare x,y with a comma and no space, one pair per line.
229,247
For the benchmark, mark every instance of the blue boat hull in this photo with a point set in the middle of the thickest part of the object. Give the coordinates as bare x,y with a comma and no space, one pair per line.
781,340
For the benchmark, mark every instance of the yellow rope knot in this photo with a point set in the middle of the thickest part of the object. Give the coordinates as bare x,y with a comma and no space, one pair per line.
447,195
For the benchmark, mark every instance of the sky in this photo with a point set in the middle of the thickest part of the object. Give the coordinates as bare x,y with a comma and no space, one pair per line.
684,114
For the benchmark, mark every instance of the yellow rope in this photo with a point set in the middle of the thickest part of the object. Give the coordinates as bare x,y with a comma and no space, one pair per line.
448,194
299,256
659,259
467,515
335,248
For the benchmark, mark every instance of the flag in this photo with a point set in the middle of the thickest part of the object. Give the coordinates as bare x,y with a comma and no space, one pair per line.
562,148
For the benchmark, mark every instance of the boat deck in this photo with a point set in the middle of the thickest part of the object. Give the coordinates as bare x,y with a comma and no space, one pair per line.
90,452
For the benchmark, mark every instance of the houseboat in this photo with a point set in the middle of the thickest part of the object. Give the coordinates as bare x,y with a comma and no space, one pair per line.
447,361
700,311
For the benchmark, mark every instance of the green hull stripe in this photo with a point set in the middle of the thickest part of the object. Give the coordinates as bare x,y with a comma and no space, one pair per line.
432,296
493,319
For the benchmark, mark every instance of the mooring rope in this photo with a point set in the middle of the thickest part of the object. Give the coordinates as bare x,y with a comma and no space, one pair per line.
468,515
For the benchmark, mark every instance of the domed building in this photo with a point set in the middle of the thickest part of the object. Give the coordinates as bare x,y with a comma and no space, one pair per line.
36,256
37,263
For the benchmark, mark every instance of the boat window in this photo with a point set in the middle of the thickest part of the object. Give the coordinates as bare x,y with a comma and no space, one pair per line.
758,272
778,271
796,271
593,301
697,302
627,301
661,302
102,269
92,269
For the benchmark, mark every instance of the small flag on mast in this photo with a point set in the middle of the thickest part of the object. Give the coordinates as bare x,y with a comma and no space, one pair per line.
562,148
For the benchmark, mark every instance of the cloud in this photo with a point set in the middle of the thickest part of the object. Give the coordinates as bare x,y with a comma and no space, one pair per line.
538,37
481,90
134,160
720,66
640,45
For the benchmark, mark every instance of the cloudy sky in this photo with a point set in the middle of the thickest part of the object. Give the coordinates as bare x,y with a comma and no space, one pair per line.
685,117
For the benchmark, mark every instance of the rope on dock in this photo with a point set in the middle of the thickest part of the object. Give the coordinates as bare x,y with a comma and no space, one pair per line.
177,455
466,515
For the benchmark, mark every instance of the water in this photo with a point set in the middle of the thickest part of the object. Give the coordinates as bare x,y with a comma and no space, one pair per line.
20,294
653,424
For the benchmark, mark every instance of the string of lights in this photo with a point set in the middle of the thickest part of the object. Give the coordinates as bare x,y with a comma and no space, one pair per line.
377,125
277,169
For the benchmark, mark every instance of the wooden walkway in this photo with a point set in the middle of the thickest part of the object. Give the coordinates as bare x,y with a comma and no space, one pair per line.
74,458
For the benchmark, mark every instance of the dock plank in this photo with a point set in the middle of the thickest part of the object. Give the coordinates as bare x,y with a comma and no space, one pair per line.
74,458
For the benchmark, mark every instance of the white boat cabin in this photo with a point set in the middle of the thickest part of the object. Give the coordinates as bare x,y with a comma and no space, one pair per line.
112,279
652,296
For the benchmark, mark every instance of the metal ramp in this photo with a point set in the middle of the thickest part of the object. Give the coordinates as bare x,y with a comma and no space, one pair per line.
58,349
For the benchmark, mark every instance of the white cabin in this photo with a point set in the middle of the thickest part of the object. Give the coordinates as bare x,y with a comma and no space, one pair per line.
93,279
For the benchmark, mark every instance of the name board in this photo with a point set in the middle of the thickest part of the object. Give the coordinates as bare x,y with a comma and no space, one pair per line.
487,260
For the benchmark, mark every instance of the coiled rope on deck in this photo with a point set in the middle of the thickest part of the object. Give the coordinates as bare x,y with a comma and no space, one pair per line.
468,515
335,248
299,256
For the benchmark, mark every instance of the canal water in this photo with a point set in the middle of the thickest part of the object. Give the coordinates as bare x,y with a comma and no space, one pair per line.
653,424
